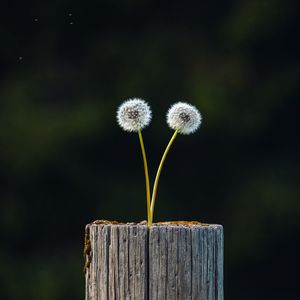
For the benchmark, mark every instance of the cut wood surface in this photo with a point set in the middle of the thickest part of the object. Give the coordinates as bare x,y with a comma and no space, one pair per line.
173,260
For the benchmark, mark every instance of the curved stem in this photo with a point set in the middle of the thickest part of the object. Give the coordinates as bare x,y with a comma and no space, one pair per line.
146,177
154,192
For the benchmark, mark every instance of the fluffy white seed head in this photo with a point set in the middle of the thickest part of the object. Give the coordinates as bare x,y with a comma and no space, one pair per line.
134,114
184,117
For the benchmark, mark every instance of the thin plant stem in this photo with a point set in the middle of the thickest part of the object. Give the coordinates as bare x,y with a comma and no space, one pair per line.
146,177
154,192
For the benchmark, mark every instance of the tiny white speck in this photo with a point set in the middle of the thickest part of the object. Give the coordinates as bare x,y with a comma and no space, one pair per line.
36,20
20,57
70,15
71,23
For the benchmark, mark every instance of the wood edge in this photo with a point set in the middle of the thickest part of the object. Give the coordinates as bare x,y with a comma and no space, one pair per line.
158,224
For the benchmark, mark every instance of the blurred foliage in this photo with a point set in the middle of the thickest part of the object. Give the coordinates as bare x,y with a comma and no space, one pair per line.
67,65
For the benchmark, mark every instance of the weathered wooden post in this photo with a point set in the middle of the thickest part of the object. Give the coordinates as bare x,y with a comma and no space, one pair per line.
173,260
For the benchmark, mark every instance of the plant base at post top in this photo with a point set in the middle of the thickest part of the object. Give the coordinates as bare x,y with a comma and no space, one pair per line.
172,260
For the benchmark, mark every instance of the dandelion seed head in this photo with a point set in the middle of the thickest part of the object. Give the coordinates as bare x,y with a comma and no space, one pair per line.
184,117
134,114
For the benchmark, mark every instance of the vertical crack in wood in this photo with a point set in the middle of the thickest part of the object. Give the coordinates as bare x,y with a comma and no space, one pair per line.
192,264
118,264
216,262
213,238
205,269
166,268
176,265
108,241
128,287
147,262
149,230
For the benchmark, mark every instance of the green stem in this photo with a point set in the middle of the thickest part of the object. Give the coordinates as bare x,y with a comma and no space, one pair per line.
154,192
146,177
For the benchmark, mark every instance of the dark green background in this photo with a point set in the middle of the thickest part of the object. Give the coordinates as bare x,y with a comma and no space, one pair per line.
64,162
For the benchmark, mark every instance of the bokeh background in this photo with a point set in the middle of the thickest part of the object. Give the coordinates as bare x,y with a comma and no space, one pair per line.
65,68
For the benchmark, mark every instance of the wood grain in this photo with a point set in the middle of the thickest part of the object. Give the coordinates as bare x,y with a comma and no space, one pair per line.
169,262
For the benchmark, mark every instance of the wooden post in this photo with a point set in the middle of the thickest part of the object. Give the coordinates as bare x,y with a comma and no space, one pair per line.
174,260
